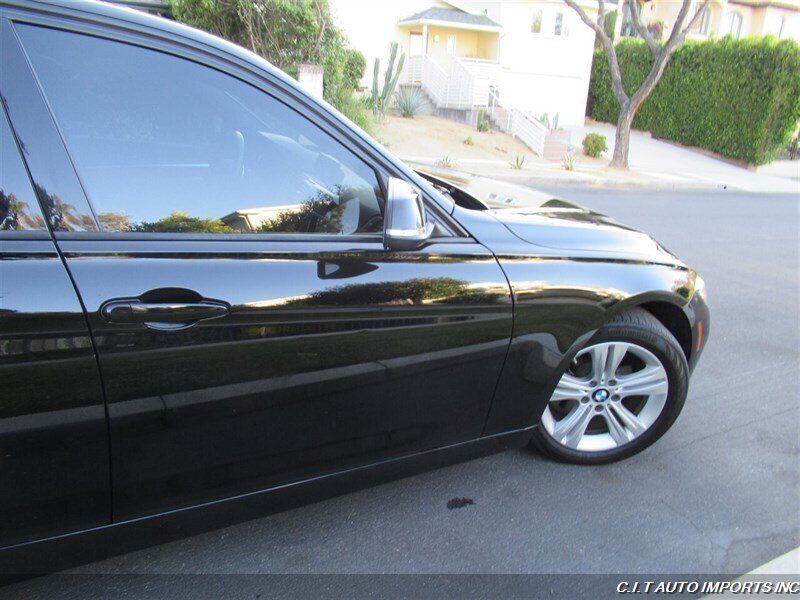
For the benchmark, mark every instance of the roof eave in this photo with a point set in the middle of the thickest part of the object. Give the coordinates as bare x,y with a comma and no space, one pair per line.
451,25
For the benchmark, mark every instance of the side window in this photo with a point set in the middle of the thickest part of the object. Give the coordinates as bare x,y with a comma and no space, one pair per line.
19,210
536,24
163,144
558,28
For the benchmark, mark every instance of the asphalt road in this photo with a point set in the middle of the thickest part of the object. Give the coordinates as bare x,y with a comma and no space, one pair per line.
719,494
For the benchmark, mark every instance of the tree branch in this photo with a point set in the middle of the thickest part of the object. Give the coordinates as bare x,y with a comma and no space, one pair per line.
675,39
643,32
598,29
679,31
608,47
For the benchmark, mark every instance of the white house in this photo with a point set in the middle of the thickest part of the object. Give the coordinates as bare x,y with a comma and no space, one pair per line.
530,56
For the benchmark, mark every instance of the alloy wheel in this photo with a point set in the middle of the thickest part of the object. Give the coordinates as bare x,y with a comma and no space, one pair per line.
610,395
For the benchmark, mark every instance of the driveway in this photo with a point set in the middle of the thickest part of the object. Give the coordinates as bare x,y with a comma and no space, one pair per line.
719,494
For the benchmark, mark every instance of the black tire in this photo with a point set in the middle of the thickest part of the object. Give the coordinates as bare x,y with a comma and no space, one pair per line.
640,327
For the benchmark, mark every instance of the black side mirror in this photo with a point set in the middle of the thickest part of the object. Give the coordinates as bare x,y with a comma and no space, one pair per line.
406,225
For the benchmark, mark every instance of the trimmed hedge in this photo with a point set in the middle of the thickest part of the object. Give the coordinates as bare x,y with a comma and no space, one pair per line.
739,98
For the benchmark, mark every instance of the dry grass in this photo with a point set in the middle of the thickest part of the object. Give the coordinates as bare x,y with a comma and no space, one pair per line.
433,137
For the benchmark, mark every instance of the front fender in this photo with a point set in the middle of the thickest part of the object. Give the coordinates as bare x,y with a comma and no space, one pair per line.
559,303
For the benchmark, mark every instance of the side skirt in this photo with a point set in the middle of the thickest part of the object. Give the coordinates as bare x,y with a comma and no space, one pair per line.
67,551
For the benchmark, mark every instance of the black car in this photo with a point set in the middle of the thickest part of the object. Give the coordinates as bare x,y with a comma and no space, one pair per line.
213,287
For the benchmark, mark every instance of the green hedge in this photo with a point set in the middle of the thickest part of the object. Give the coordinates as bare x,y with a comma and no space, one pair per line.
739,98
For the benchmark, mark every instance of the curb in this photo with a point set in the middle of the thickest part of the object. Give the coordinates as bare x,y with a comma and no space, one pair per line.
590,179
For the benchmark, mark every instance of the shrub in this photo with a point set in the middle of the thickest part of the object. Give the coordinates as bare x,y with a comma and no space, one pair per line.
411,101
354,108
354,66
568,162
483,124
739,98
594,145
468,141
656,29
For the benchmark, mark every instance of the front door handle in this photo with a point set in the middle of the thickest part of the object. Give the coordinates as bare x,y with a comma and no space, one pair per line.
162,315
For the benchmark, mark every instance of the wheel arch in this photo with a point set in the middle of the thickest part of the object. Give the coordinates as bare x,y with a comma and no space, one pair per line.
675,320
667,309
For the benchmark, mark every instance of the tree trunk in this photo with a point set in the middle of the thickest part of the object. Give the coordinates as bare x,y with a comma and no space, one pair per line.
661,55
622,140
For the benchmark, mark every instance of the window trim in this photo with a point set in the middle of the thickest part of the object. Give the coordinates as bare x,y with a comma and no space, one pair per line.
704,24
735,20
264,81
781,26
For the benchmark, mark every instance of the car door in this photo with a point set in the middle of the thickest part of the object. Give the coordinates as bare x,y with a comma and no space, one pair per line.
251,328
54,460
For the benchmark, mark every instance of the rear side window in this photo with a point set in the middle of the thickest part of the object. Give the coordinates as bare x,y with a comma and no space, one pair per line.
166,145
19,210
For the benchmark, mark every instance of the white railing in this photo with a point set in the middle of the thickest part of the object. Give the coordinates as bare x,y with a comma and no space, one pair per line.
494,98
435,81
528,130
484,74
413,69
459,83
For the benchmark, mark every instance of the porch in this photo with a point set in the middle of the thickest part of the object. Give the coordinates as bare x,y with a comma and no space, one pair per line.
453,56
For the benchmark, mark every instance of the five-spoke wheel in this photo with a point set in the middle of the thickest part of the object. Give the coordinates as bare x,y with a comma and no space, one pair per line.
617,393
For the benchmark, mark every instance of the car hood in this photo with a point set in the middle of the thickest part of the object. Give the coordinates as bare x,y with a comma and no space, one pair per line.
540,219
561,225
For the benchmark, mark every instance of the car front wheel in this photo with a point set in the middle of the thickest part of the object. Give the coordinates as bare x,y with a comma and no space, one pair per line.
620,393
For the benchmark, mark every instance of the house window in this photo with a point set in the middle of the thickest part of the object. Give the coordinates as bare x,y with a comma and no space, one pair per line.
451,44
735,24
559,27
536,24
704,24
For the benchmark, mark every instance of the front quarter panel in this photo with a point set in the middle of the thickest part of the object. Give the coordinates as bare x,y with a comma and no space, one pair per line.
560,301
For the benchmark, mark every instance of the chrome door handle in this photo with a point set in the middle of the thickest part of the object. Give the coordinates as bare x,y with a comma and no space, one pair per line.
162,315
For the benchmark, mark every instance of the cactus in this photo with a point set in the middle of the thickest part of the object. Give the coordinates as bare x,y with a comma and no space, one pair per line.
381,98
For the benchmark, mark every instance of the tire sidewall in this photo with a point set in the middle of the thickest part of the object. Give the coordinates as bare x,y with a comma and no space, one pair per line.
667,350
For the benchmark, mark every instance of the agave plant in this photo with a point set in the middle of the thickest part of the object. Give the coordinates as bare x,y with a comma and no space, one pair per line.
411,102
569,162
519,162
446,163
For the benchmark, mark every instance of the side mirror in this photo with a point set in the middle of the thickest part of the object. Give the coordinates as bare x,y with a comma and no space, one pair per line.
406,225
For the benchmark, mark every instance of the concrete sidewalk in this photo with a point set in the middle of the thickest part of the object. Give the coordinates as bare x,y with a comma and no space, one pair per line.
654,164
786,564
665,161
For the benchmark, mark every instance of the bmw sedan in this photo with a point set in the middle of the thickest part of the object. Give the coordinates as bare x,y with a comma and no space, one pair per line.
217,292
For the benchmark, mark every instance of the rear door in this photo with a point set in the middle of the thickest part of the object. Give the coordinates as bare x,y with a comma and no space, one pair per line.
54,460
251,329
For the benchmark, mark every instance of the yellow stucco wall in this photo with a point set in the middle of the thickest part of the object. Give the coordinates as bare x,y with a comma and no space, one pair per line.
756,20
469,44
